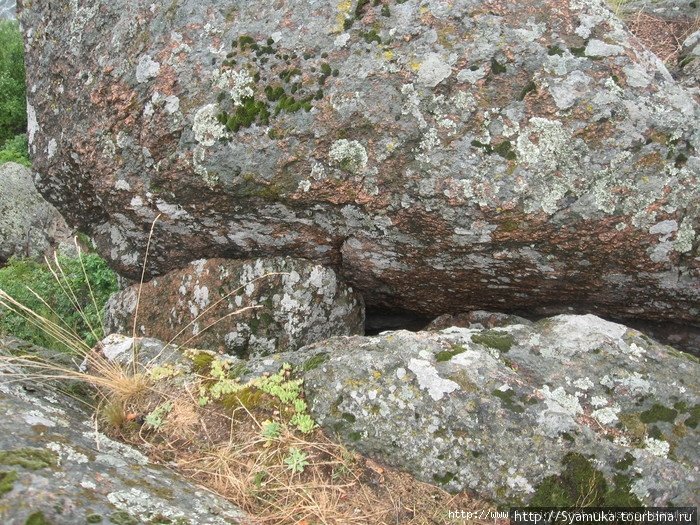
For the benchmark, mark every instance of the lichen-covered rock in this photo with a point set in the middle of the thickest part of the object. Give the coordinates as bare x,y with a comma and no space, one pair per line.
55,468
29,226
689,60
678,10
7,9
297,303
445,156
477,319
513,413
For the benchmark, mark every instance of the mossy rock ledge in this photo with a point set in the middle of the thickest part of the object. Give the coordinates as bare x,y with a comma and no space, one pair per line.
444,156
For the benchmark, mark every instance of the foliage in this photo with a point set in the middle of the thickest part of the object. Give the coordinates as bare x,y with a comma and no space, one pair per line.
16,150
21,277
271,429
156,417
13,105
296,460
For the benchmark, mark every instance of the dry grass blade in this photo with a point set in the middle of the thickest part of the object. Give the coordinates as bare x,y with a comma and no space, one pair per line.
134,350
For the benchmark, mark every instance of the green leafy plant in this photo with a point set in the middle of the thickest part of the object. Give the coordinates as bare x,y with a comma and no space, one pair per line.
156,417
271,430
296,460
13,106
70,292
16,150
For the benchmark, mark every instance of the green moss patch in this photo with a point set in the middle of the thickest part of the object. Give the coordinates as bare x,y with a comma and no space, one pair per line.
496,67
7,481
582,485
314,362
29,458
446,355
122,518
37,518
508,400
658,413
501,341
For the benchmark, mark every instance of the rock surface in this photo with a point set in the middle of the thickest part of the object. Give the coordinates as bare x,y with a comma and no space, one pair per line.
54,468
689,60
29,226
301,303
498,155
7,9
513,413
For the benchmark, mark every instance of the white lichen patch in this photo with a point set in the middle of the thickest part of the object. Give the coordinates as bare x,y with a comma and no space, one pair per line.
51,148
146,69
36,417
584,383
238,84
558,400
598,48
67,454
598,401
433,70
32,126
207,129
657,447
684,238
606,416
349,155
429,379
201,296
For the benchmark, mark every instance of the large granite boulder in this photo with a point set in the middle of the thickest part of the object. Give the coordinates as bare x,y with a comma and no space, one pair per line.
295,303
514,412
56,469
443,156
29,226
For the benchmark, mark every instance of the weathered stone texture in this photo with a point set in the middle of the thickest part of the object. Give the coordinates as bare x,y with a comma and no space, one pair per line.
294,303
500,411
499,155
29,226
55,468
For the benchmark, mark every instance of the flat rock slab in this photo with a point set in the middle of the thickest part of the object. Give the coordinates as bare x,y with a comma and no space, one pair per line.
55,468
513,413
245,308
443,156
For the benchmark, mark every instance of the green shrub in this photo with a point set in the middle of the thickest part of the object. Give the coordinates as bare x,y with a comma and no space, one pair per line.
22,273
16,150
13,105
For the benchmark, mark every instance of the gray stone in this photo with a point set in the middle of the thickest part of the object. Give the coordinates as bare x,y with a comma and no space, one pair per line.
55,466
689,60
441,156
500,411
294,303
7,9
29,226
